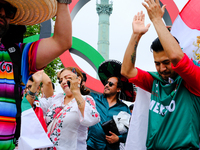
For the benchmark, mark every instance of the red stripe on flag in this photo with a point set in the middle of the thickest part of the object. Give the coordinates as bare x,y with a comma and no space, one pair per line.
190,14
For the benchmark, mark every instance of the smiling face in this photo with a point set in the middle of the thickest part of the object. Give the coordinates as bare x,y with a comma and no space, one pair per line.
63,81
110,87
163,65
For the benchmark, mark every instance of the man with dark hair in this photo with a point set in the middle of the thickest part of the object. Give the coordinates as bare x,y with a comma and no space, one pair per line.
108,105
174,121
32,56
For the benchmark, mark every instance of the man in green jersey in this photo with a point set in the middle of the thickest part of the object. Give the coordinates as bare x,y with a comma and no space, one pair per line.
174,110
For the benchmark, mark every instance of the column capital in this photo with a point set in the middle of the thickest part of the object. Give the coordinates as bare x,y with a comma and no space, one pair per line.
104,9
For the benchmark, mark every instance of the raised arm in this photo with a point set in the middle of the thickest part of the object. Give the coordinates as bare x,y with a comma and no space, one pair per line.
37,78
170,45
47,85
51,48
128,66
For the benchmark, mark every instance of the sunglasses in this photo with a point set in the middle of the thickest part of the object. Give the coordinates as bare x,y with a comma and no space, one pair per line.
109,83
9,10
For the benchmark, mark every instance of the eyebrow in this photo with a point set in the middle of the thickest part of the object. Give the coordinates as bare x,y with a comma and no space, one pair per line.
164,61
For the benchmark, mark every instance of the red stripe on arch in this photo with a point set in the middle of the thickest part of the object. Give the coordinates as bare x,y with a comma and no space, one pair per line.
171,8
72,5
91,83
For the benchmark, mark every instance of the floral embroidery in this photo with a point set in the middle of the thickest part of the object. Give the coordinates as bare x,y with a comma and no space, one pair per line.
94,114
90,101
54,136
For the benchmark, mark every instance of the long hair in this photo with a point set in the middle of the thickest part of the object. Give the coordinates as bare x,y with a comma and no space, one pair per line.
83,89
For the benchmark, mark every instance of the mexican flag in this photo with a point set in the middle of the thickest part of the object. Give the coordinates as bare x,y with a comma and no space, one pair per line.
33,135
186,28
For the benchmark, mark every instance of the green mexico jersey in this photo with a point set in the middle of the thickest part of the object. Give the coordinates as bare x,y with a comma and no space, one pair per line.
174,116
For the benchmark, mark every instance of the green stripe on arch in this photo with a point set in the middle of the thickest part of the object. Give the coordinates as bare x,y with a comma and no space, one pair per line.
79,45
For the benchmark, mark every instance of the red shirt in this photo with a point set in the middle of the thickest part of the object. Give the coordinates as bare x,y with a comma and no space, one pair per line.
189,72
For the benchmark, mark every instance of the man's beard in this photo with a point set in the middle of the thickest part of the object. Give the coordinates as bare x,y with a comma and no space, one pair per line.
3,27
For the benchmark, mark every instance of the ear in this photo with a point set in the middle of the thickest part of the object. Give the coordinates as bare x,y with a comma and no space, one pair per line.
79,79
118,90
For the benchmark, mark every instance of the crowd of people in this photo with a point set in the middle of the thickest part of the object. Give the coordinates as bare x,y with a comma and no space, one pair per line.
78,119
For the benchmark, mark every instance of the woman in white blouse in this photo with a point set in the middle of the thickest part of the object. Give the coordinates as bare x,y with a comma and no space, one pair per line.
67,111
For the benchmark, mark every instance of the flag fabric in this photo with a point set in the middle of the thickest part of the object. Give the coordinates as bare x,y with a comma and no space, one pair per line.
186,28
33,135
136,138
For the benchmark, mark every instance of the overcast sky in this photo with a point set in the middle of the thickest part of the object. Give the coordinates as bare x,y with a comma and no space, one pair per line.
85,27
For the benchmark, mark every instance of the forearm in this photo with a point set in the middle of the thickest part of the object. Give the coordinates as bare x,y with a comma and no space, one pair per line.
169,43
33,90
47,85
128,66
80,102
63,27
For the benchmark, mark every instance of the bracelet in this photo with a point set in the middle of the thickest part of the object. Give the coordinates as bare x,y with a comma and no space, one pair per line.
31,94
64,1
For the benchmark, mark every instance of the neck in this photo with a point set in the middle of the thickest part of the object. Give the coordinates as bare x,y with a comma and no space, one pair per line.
68,98
112,100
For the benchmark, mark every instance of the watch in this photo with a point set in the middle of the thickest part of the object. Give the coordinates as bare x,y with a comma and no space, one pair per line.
64,1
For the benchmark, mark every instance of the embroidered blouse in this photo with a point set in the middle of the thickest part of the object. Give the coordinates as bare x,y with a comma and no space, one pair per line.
64,133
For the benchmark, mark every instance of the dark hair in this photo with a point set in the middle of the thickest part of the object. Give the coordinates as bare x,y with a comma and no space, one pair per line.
83,90
84,76
31,79
119,83
156,46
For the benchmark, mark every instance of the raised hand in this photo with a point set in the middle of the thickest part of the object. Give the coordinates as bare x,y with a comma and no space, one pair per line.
138,24
153,9
37,77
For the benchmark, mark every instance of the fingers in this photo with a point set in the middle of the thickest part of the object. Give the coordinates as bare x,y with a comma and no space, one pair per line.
139,17
148,25
163,8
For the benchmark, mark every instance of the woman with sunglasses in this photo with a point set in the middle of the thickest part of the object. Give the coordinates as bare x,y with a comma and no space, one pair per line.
67,111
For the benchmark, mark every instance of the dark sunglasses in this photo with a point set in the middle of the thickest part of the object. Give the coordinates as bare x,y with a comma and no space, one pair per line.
9,10
109,83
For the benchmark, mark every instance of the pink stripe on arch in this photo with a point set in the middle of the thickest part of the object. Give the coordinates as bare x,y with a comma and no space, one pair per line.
190,14
171,8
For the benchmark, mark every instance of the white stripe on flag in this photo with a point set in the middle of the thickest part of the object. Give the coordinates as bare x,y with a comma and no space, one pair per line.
136,138
32,134
187,38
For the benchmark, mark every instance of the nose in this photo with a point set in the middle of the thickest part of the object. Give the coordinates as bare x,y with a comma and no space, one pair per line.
162,67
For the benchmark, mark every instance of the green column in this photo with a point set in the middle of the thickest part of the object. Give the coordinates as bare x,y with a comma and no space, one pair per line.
104,9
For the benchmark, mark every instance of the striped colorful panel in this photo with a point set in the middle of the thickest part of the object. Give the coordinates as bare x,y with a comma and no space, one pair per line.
7,109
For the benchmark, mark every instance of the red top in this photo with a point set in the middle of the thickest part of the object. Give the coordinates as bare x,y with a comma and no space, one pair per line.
189,72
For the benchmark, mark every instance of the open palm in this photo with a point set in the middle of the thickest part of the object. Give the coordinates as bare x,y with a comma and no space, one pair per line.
138,24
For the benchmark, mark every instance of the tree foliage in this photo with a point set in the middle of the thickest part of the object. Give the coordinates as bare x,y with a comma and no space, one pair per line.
52,68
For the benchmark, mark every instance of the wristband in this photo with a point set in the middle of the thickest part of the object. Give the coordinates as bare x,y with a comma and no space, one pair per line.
64,1
31,94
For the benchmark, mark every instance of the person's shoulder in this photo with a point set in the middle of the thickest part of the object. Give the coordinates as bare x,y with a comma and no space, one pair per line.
94,94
